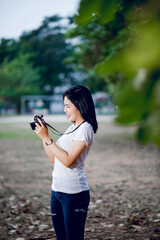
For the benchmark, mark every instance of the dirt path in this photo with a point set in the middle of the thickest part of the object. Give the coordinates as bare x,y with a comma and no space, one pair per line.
123,178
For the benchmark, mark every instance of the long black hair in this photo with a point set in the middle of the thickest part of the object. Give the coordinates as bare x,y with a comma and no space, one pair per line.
81,97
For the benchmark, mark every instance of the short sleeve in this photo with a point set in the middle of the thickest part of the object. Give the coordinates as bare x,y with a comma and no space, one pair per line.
84,133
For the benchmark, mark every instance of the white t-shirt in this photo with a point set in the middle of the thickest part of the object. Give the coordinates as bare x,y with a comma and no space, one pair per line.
72,179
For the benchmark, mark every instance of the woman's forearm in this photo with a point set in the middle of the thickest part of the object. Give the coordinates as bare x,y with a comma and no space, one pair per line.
48,152
53,150
69,157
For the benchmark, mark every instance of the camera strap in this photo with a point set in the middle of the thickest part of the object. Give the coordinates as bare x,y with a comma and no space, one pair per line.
56,132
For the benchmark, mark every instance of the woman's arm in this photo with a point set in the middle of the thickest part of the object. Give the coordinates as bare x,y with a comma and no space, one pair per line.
69,157
52,151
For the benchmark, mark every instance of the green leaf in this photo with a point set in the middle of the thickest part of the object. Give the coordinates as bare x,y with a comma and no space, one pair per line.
107,10
104,9
87,11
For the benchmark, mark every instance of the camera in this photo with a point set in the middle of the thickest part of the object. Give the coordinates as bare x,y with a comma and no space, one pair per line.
36,117
56,132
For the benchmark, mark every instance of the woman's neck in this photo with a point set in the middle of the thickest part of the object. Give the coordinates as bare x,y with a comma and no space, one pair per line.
79,121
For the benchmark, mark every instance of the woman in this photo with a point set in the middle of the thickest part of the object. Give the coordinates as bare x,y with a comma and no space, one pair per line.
70,192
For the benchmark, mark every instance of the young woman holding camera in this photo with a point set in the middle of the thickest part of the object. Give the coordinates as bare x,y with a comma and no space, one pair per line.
69,191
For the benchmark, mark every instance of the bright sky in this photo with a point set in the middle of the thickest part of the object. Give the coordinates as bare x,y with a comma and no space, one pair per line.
17,16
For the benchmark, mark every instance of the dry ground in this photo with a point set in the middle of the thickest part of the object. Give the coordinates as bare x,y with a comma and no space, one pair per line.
124,179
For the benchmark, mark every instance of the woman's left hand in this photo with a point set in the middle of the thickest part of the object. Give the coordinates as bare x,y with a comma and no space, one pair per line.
41,130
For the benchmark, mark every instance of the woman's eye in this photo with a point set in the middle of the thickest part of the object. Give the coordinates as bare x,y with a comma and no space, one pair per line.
67,107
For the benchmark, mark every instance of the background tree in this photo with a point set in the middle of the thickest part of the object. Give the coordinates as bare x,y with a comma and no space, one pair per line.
50,48
8,49
34,64
18,78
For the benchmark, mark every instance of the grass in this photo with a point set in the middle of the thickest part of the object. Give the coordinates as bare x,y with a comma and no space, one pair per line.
20,134
10,131
17,131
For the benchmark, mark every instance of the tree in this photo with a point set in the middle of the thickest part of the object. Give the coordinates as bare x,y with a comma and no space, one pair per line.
46,48
97,42
137,96
18,78
88,51
8,49
50,48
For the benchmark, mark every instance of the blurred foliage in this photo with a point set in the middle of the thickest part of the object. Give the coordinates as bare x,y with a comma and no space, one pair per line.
96,42
121,43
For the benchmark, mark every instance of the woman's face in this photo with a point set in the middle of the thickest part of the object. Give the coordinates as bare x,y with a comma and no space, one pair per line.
71,111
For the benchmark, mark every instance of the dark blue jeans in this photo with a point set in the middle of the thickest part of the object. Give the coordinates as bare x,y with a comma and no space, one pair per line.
69,212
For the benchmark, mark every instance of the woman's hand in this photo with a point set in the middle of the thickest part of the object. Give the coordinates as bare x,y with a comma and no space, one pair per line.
42,130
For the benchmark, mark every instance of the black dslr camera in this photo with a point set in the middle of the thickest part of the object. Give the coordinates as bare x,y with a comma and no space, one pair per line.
33,124
36,117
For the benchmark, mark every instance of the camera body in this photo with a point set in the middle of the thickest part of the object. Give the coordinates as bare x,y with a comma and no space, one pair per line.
36,117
